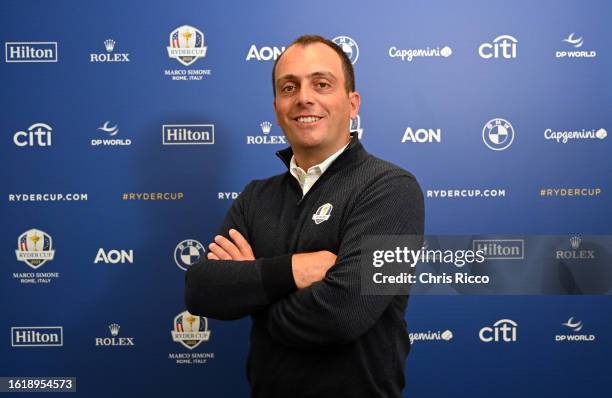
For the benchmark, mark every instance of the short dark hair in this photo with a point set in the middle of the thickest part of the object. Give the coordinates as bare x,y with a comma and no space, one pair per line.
305,40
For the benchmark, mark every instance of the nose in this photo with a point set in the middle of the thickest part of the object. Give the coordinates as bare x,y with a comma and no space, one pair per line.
305,96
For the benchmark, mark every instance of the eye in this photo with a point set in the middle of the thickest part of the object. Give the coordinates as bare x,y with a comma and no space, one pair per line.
322,85
288,88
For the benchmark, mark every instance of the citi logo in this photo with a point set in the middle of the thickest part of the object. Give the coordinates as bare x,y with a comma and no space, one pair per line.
421,136
264,53
30,51
37,336
114,256
502,330
38,134
503,46
188,134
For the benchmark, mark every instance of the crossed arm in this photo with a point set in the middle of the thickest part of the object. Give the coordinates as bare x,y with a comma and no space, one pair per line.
307,268
325,305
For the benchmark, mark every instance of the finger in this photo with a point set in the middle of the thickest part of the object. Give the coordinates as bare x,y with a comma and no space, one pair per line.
212,256
219,252
229,247
242,244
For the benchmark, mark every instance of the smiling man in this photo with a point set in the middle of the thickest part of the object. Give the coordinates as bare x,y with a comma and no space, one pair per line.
288,253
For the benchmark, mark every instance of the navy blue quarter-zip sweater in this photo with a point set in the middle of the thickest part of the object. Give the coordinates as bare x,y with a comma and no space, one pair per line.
327,340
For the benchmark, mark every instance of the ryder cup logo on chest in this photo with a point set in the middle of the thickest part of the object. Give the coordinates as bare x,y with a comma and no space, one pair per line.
323,213
186,46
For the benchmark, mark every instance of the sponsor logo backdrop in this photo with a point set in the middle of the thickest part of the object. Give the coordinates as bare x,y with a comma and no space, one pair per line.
127,132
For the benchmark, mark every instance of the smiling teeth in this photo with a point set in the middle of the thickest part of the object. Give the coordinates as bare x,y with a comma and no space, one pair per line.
309,119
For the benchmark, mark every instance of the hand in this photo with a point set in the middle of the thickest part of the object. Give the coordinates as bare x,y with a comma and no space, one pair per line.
309,268
237,249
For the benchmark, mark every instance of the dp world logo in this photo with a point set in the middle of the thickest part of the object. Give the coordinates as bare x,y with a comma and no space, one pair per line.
498,134
187,253
349,46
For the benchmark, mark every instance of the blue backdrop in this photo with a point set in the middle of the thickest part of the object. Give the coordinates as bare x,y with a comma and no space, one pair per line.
90,88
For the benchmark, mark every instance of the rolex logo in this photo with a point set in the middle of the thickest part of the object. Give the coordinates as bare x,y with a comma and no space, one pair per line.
114,341
114,329
265,127
575,242
109,44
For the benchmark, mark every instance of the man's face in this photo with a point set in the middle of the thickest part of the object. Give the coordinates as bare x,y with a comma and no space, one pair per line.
312,105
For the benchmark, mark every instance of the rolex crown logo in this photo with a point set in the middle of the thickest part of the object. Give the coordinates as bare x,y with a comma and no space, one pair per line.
575,242
109,44
265,127
114,329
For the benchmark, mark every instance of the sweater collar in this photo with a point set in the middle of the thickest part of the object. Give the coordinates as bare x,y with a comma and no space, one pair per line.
352,153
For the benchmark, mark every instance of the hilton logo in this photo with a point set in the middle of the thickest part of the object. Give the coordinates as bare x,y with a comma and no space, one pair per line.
500,249
37,336
188,134
30,51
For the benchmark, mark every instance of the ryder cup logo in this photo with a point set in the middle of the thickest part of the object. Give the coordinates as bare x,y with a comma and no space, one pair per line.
190,330
187,253
349,46
186,45
498,134
322,213
34,247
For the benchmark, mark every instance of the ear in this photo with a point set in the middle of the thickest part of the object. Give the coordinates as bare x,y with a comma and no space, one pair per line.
355,100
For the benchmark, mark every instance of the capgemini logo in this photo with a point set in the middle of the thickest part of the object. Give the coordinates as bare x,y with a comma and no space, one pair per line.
265,127
577,43
575,326
601,134
109,44
446,52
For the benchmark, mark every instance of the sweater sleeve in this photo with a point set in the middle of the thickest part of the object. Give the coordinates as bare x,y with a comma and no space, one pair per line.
334,310
227,290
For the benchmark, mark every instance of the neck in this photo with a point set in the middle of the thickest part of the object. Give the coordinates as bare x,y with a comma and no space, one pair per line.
308,157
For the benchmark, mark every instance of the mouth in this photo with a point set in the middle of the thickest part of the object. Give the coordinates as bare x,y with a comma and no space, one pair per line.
307,119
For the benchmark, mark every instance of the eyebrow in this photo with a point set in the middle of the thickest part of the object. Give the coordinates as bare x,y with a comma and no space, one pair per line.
324,74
